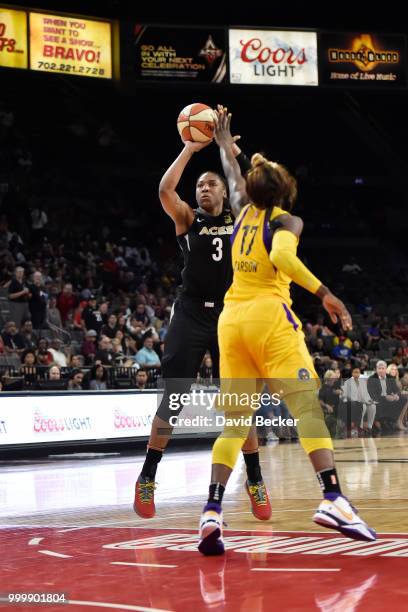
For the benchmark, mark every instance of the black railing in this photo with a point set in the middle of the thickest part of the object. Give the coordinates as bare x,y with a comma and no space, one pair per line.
21,378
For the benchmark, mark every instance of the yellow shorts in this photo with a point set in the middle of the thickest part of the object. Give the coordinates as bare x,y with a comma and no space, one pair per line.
262,342
263,339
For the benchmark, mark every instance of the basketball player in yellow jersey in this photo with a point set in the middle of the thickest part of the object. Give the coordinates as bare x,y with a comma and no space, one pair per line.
260,338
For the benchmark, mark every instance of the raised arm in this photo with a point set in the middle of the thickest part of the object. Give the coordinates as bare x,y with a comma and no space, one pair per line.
230,152
284,258
181,213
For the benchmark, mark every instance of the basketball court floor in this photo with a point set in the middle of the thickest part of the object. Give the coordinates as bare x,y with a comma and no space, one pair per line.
68,530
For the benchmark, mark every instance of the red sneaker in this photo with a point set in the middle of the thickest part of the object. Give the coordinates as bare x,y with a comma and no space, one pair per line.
261,506
143,504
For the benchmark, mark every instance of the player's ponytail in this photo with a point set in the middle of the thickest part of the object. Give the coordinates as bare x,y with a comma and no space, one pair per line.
269,183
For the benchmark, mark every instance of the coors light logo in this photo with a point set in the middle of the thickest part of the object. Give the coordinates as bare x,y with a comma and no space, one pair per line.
275,61
271,57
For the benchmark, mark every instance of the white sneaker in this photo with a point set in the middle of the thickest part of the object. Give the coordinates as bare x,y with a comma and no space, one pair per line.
339,514
211,542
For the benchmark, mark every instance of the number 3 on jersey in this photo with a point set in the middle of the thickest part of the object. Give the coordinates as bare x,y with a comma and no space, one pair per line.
217,242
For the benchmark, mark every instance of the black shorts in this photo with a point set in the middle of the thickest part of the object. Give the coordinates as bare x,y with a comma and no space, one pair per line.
192,332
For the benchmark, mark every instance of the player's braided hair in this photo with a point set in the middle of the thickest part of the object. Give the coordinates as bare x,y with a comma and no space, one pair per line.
269,183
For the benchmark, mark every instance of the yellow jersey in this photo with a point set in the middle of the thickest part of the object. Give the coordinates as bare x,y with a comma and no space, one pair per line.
254,274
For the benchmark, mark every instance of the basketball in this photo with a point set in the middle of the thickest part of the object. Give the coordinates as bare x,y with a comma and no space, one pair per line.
196,123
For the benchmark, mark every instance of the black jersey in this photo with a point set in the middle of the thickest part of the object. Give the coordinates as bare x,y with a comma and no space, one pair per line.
207,272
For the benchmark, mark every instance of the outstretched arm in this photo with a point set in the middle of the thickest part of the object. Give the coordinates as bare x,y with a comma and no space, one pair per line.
229,152
284,258
175,207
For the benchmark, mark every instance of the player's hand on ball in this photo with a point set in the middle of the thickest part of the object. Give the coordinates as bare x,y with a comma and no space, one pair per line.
222,131
337,311
194,147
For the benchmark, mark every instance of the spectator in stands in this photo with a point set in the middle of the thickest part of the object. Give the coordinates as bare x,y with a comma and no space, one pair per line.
28,358
121,337
43,358
384,391
89,347
42,344
399,358
57,354
147,356
319,366
147,303
13,341
39,221
341,350
400,329
38,301
119,356
30,338
141,316
164,327
28,369
98,378
54,372
76,361
337,378
104,354
404,347
385,328
88,308
329,401
77,320
404,386
18,295
373,336
66,302
53,315
144,257
357,353
342,338
135,328
319,350
162,309
94,316
357,404
365,308
392,371
75,380
347,369
121,324
130,349
352,266
111,327
320,330
205,373
141,379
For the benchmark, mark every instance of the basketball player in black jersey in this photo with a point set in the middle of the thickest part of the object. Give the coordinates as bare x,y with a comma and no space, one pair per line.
204,237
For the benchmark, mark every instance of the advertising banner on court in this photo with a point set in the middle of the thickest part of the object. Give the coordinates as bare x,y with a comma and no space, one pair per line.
13,38
176,53
38,418
361,60
70,45
272,57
